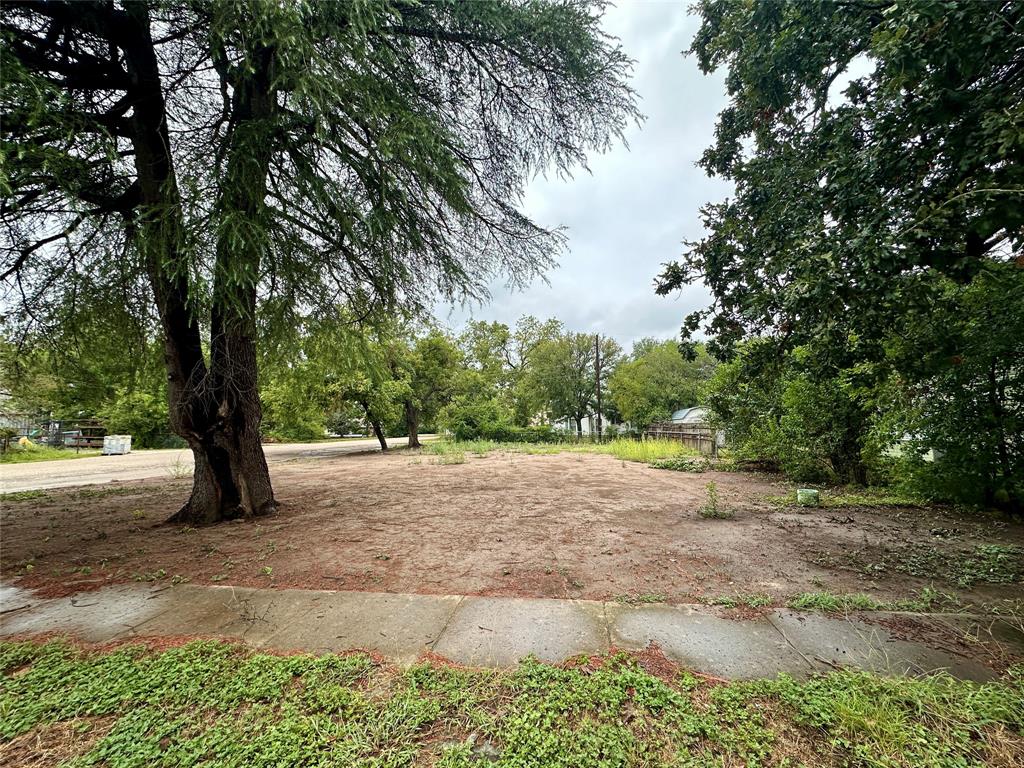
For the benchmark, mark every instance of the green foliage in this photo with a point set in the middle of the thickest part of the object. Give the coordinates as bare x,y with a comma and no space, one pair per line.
793,414
953,406
842,213
657,380
563,375
643,451
734,601
954,564
367,154
142,415
683,464
208,702
894,266
474,411
503,356
22,496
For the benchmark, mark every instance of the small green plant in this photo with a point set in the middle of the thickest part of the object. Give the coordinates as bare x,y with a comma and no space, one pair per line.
757,600
153,576
266,570
711,509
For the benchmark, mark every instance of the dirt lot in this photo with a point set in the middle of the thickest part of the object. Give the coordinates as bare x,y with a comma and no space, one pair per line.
567,525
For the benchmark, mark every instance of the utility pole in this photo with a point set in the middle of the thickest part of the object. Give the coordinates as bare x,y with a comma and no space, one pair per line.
597,379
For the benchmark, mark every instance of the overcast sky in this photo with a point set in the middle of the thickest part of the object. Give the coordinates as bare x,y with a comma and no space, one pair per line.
637,206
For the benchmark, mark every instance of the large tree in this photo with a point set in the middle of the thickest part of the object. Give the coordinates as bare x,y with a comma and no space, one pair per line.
656,380
503,357
251,162
877,152
871,143
563,374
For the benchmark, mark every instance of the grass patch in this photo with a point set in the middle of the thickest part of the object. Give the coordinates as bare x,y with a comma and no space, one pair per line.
17,454
929,600
982,564
644,451
211,703
646,598
22,496
735,601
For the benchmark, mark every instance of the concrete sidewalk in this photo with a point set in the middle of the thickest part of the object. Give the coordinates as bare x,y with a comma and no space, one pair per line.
485,631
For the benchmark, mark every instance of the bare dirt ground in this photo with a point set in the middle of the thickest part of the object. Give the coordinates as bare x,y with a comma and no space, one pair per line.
566,526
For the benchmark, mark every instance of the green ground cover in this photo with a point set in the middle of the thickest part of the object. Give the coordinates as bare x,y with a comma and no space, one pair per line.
17,454
646,451
209,703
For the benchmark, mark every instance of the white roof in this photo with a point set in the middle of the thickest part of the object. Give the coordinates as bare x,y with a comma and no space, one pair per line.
694,413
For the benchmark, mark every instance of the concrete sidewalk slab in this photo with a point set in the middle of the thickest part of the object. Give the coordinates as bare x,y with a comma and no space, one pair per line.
498,632
402,627
707,643
849,641
95,617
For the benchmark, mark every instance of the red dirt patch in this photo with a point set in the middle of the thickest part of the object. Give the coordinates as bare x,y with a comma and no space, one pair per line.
55,743
563,526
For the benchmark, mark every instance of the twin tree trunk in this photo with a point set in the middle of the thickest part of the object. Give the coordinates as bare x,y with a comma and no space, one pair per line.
215,408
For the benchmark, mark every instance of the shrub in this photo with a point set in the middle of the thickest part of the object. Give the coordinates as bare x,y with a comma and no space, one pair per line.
683,463
505,433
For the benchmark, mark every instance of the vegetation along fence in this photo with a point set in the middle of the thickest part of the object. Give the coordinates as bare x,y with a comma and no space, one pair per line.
697,436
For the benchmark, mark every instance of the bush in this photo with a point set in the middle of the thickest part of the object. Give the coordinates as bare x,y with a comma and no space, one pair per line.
466,418
505,433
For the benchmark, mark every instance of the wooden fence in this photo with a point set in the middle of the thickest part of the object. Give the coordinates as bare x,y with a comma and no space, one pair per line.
700,437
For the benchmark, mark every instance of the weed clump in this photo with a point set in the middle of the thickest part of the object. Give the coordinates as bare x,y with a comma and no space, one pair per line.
712,510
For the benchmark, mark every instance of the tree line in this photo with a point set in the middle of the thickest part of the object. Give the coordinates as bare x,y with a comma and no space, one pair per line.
343,374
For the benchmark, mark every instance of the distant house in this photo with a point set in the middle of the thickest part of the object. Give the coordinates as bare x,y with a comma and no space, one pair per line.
589,425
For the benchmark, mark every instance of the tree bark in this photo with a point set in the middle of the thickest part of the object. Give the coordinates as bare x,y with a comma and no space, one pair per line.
378,431
579,427
412,423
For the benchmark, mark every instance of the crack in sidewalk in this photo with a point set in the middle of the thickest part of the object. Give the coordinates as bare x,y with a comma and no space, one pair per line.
447,622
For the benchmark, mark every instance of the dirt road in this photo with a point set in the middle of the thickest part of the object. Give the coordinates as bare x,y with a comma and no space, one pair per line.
142,465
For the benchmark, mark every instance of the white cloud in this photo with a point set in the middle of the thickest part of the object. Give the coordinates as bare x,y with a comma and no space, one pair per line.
633,211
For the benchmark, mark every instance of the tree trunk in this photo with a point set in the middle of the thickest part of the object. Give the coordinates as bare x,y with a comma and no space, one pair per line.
579,427
412,423
231,478
379,433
